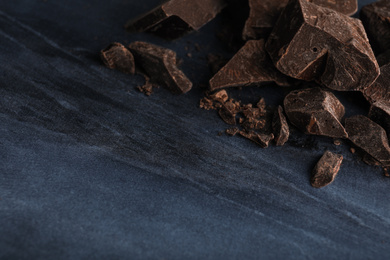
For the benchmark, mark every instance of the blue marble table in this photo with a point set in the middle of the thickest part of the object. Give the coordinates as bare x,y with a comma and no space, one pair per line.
90,168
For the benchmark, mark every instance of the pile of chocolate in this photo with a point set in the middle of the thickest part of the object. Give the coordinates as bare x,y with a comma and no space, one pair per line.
314,44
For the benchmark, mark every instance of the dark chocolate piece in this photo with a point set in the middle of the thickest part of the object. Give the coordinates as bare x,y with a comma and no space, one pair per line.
315,111
116,56
264,14
376,20
250,66
380,89
380,114
370,137
280,127
160,65
310,42
228,111
326,169
259,138
175,18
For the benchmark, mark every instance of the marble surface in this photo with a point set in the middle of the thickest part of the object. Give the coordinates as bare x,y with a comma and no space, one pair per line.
91,168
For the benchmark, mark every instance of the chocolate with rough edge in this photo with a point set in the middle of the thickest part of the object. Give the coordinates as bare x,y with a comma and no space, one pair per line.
280,127
175,18
310,42
116,56
380,114
376,20
250,66
326,169
380,89
264,14
259,138
160,65
370,137
315,111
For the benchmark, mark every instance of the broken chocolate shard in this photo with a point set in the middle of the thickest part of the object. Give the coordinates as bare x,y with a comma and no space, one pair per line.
380,114
259,138
264,14
370,137
160,65
376,20
380,89
326,169
116,56
174,18
315,111
228,112
250,66
310,42
280,127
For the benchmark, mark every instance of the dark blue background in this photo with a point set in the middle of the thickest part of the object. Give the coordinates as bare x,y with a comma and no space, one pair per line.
91,168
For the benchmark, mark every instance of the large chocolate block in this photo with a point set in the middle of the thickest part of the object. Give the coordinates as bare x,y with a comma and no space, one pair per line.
160,65
250,66
310,42
264,14
175,18
315,111
326,169
376,20
380,89
370,137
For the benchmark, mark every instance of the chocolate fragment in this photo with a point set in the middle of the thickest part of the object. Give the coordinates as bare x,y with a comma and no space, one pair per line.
376,19
160,65
380,89
259,138
280,127
250,66
380,113
315,111
326,169
228,111
310,42
370,137
116,56
346,7
174,18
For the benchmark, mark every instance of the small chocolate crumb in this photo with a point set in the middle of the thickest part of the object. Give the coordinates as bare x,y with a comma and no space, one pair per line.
326,169
232,131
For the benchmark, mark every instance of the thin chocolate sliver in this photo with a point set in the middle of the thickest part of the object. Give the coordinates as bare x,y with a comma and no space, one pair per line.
174,18
280,127
116,56
310,42
160,65
326,169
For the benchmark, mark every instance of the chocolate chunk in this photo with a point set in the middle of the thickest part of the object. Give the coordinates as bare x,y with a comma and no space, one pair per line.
310,42
160,65
280,127
370,137
116,56
175,18
229,111
250,66
326,169
376,19
315,111
264,14
262,17
380,89
380,114
260,139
